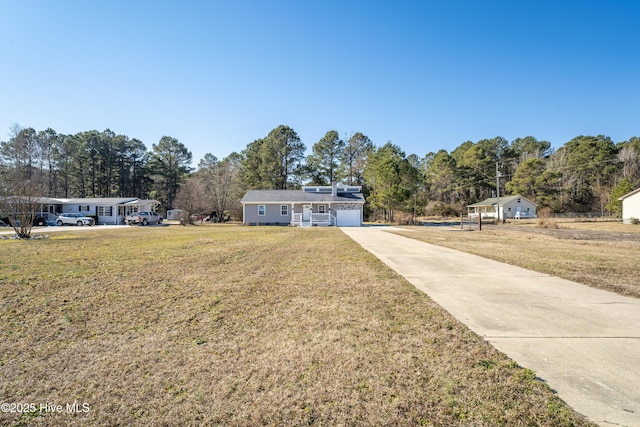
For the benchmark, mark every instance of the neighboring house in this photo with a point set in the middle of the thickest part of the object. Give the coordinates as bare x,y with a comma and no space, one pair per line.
339,205
631,206
107,210
509,207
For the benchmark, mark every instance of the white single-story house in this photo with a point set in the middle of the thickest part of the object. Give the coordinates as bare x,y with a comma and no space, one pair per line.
107,210
631,206
340,205
508,206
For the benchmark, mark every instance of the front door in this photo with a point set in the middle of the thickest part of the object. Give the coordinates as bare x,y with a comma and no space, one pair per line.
306,213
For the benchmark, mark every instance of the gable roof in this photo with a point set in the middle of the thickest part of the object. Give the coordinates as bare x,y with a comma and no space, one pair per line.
142,202
492,201
636,191
95,201
98,200
298,196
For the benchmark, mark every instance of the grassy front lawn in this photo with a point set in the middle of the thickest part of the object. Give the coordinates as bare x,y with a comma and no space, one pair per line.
235,325
601,255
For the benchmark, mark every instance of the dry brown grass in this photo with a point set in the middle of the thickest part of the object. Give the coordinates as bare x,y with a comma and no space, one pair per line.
242,326
598,254
547,223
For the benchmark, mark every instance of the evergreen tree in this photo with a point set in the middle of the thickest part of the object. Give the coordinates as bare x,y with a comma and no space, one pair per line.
169,166
323,163
623,187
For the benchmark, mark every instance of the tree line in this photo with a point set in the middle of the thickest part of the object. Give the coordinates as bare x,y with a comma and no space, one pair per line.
586,174
92,164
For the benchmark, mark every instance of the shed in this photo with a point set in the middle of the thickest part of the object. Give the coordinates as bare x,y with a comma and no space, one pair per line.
514,206
174,213
631,206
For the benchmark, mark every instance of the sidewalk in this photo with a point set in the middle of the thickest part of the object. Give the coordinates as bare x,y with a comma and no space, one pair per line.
583,342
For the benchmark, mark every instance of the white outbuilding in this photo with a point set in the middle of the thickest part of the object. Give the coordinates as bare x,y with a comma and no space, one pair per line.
174,213
504,207
631,206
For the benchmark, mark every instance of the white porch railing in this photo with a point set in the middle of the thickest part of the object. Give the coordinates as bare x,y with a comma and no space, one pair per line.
296,218
319,219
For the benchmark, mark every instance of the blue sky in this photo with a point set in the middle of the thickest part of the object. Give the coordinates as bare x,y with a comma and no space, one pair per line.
425,75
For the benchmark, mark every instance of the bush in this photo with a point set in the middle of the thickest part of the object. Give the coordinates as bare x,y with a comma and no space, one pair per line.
547,223
544,212
403,218
442,209
635,221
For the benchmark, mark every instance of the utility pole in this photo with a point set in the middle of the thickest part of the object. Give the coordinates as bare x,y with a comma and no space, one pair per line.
498,190
415,202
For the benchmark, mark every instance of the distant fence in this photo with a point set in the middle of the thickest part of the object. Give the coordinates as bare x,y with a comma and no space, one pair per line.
471,222
464,223
588,215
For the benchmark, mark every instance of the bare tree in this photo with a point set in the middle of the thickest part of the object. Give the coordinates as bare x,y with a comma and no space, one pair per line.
192,198
223,182
22,182
20,198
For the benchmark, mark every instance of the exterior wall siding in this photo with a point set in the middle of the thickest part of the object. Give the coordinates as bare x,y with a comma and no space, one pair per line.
524,205
631,208
75,208
272,211
93,211
272,214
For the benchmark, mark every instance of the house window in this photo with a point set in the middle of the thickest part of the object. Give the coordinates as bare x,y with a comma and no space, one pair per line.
261,210
83,208
322,208
284,210
105,210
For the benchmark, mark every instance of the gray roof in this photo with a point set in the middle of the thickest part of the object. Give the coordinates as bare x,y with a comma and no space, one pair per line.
95,201
142,202
98,200
298,196
492,201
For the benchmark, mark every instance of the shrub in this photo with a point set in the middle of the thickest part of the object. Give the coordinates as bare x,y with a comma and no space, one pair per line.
442,209
544,212
547,223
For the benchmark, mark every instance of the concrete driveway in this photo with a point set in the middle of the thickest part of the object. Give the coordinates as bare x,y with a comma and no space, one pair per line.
583,342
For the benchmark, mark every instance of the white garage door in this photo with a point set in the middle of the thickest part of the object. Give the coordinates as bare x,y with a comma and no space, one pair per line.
348,218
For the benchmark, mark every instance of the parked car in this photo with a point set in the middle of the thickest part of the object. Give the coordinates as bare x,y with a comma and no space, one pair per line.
143,218
74,219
